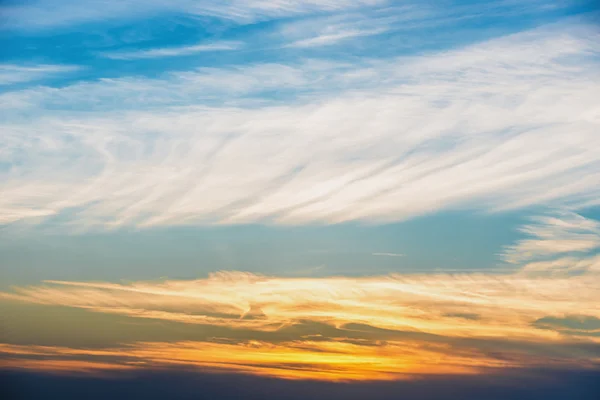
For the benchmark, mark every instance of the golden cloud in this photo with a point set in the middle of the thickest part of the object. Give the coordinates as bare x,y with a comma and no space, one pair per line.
384,327
342,328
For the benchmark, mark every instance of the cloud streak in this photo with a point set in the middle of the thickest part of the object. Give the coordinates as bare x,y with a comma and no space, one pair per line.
423,303
12,73
330,361
341,27
555,235
45,14
327,39
484,127
172,51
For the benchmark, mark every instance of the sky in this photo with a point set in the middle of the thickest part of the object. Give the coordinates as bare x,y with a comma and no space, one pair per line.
311,198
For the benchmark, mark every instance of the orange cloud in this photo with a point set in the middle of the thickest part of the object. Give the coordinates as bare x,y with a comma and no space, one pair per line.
377,327
388,327
507,304
330,360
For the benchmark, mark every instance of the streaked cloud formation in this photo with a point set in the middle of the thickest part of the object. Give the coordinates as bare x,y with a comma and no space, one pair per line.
172,51
555,235
44,14
374,327
507,303
10,74
484,127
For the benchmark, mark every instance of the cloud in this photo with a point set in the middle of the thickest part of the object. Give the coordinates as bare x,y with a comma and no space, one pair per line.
388,254
484,127
332,29
12,73
331,361
553,239
334,37
172,51
507,303
46,14
571,324
72,367
341,328
415,19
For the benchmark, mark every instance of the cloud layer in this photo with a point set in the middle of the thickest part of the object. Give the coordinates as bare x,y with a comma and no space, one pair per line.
11,74
484,127
45,14
378,327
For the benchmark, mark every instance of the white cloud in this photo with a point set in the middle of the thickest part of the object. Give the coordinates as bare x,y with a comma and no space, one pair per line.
48,14
334,37
388,254
332,29
43,14
172,51
559,243
12,73
508,123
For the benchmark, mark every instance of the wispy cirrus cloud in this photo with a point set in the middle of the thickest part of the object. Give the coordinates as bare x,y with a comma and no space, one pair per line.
13,73
335,36
48,14
559,243
327,31
483,127
172,51
45,14
556,235
340,27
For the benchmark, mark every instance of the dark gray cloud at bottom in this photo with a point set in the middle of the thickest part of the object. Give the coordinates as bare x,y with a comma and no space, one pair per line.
514,385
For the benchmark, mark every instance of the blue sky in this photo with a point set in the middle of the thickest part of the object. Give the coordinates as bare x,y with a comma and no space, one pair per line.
462,243
57,43
407,166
